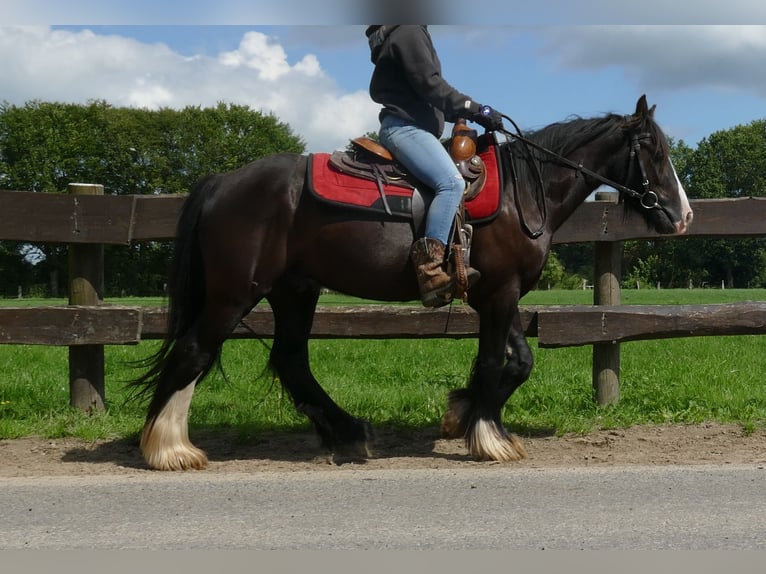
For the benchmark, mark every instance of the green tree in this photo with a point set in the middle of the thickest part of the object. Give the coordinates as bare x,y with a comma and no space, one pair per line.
45,146
576,260
555,276
15,270
729,163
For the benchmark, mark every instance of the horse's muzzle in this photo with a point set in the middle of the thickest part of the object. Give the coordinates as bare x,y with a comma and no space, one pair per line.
686,220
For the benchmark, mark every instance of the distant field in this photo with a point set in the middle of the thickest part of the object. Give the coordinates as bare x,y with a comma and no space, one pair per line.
404,383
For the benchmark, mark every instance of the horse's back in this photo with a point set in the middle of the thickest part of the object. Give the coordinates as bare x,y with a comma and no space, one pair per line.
259,190
266,174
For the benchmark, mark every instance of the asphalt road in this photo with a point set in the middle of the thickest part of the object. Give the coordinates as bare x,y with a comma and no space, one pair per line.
495,507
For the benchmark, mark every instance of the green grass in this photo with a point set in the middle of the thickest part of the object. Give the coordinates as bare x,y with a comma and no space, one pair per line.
404,383
555,297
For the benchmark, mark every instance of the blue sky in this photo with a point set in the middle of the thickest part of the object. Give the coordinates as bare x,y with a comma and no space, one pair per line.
700,62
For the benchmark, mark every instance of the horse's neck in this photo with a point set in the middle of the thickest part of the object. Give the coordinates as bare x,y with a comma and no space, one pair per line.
577,192
569,192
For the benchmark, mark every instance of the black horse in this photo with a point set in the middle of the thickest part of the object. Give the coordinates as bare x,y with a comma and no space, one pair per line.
256,233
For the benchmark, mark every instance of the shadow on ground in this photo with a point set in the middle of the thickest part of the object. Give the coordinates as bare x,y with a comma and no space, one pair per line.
227,445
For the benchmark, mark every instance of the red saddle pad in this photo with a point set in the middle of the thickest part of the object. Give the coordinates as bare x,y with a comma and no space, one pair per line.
332,186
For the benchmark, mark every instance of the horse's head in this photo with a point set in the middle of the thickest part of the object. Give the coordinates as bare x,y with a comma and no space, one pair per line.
653,185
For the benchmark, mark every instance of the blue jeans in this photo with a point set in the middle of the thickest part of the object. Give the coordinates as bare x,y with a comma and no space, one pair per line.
425,157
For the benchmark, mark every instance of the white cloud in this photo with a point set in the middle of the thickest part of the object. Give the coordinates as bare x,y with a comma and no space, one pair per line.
309,65
43,64
258,52
345,115
147,95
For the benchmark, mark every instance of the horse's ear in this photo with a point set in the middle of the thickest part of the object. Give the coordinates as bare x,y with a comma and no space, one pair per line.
642,108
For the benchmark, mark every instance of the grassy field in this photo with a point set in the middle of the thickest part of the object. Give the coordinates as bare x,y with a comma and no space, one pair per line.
556,297
404,383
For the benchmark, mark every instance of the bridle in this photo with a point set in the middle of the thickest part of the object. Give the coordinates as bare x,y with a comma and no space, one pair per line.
647,198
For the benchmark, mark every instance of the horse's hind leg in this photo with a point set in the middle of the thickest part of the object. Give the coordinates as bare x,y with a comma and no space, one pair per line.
339,432
165,440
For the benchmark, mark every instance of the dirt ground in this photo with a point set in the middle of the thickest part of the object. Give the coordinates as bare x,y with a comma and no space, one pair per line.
286,452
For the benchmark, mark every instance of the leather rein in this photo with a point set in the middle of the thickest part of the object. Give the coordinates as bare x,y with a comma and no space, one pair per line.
647,198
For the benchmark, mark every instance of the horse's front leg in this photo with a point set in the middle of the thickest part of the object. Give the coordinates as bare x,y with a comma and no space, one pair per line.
503,363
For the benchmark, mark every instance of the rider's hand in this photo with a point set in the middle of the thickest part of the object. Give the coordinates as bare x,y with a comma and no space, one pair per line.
487,117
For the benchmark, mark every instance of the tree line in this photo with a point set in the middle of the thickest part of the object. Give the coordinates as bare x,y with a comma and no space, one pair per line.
45,146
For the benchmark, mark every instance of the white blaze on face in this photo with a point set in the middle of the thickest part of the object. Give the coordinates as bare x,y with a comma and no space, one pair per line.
686,211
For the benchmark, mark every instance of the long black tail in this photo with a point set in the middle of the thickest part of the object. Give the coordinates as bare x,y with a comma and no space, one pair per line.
186,283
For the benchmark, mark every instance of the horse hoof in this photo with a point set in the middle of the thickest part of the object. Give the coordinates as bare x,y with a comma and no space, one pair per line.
350,446
453,423
452,426
182,457
357,453
167,448
488,441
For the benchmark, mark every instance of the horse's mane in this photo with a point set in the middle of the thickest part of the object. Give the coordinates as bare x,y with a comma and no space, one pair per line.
564,137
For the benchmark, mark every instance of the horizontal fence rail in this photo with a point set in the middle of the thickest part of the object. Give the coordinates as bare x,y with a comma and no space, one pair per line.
71,325
123,219
553,325
83,218
590,325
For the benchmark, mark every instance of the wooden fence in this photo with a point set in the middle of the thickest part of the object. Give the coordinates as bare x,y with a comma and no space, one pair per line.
85,219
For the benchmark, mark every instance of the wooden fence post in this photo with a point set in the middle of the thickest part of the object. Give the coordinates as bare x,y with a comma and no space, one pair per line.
86,287
606,291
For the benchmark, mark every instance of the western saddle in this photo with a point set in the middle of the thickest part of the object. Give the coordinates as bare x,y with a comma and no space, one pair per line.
368,159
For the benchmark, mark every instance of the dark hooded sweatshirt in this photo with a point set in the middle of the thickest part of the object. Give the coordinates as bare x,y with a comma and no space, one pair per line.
407,80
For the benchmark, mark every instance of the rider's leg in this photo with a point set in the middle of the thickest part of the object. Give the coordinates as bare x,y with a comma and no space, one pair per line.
425,157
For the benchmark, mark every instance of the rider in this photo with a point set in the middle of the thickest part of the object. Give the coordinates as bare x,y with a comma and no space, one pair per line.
416,100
